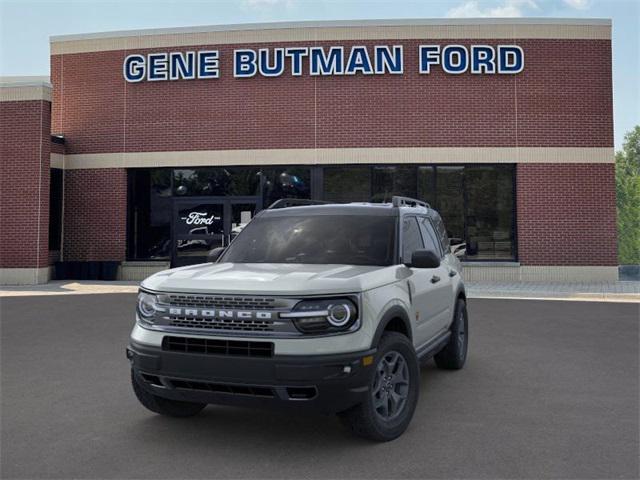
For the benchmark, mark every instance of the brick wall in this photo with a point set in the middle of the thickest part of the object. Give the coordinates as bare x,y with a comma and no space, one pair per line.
24,183
562,98
566,214
57,148
95,214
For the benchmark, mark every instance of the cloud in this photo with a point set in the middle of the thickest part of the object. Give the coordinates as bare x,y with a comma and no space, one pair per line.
578,4
508,8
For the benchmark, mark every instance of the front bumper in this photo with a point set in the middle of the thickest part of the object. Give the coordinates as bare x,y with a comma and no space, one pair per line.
322,383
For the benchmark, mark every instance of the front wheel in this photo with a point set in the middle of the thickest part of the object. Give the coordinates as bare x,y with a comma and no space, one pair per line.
164,406
454,354
393,392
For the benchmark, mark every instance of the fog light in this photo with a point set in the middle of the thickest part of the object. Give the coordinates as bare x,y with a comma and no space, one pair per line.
312,324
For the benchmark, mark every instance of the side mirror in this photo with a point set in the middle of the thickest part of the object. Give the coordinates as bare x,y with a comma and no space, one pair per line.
458,247
215,254
424,259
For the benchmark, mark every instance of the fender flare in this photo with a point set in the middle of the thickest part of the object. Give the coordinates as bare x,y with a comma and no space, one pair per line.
461,292
396,311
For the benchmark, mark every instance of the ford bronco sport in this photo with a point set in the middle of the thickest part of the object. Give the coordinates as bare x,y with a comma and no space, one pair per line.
328,307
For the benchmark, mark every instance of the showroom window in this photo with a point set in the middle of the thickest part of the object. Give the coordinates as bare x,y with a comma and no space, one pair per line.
285,182
390,180
476,202
152,192
149,214
347,184
427,184
449,199
219,181
489,223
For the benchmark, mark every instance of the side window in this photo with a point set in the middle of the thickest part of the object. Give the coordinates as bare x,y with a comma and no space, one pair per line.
442,233
431,241
411,239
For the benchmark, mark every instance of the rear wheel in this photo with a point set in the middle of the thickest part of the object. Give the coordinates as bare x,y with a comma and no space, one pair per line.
164,406
454,354
393,393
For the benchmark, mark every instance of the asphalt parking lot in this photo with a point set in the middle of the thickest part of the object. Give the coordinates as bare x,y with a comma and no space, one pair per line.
551,390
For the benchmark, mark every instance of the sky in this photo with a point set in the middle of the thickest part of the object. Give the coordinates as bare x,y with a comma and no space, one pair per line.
25,26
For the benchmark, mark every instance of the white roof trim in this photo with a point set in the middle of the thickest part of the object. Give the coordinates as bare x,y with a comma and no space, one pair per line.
28,81
335,23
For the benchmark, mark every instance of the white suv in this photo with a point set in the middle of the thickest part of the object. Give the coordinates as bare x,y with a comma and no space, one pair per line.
319,306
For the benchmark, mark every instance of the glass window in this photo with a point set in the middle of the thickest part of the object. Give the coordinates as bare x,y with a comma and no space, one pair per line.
442,234
55,208
476,202
390,180
216,181
149,221
427,185
357,240
285,182
411,239
431,241
347,184
200,219
450,198
489,212
241,215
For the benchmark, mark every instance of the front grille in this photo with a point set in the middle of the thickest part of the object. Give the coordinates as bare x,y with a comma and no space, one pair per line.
208,346
253,390
222,302
229,315
222,324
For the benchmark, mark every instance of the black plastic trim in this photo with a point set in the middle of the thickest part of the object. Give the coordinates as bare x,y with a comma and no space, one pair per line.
432,347
340,380
395,311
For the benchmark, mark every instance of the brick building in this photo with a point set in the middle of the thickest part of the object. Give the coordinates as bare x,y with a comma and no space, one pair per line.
148,148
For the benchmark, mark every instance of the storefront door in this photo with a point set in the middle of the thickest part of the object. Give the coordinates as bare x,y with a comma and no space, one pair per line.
200,225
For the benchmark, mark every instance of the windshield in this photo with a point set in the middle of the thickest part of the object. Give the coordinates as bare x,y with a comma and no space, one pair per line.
323,239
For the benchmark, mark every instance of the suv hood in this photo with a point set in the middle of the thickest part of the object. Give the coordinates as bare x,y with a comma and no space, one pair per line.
270,278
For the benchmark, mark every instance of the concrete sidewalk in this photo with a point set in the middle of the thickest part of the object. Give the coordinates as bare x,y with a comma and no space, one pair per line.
578,291
69,287
593,292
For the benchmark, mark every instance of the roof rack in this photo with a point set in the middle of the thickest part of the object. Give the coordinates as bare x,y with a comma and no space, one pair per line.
295,202
397,201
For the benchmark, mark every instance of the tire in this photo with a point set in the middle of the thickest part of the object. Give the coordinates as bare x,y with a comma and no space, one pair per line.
454,355
368,420
164,406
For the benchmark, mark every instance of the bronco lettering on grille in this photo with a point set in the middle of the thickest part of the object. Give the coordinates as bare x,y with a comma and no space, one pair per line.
209,313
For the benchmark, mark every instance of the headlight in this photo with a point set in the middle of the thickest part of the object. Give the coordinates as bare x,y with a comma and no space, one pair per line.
147,305
324,315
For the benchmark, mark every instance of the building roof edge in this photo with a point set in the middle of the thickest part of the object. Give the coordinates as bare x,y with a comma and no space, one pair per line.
333,24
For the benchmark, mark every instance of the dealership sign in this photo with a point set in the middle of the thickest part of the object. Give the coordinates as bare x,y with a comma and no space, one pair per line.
324,61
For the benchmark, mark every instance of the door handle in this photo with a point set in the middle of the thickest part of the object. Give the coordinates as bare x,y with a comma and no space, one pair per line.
452,273
435,279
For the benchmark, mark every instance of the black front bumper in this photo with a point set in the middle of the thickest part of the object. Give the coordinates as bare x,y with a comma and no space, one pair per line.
322,383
